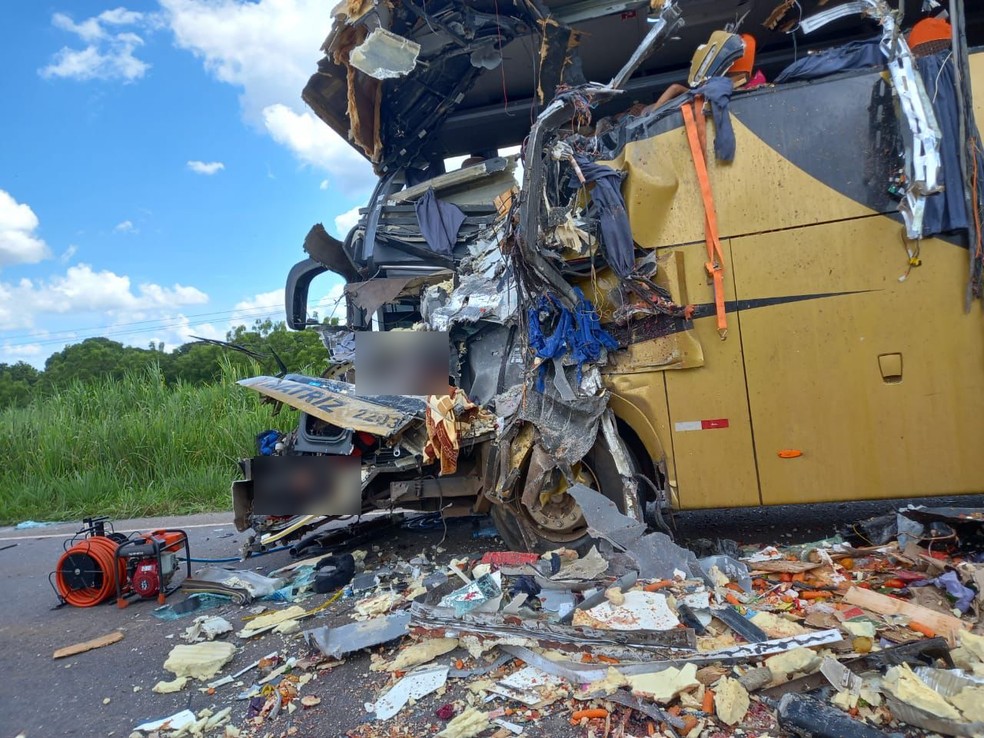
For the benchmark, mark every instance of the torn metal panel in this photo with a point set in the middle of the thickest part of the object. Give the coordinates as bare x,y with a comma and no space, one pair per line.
329,251
538,474
567,429
819,20
623,463
498,170
477,298
394,105
559,64
335,403
606,521
665,25
375,293
425,613
492,361
751,651
655,553
922,139
336,642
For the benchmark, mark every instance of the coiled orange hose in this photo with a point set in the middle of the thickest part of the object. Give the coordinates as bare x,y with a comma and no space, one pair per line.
102,551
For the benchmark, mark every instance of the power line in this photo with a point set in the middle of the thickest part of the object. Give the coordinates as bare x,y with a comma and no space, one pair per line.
121,329
157,320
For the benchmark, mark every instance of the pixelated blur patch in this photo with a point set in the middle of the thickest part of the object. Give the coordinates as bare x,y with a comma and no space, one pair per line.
402,363
307,485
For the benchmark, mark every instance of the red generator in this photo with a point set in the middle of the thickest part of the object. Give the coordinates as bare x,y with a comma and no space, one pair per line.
99,562
150,561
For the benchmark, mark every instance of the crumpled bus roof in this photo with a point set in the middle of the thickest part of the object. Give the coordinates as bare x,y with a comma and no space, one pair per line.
457,98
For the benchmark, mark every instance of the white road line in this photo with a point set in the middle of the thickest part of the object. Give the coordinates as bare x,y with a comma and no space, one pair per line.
30,537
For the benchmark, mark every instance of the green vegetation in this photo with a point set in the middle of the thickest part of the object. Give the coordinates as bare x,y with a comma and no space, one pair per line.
105,431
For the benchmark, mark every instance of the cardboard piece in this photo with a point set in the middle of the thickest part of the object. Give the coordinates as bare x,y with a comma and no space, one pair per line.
115,637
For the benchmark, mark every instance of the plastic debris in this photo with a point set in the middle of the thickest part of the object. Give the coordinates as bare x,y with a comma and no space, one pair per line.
177,721
206,628
476,595
414,686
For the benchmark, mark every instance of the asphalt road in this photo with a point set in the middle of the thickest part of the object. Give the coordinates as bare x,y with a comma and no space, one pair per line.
41,697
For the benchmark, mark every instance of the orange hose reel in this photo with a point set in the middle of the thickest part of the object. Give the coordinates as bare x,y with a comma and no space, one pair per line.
88,572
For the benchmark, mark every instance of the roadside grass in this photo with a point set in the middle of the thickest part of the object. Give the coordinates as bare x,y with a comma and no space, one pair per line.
129,447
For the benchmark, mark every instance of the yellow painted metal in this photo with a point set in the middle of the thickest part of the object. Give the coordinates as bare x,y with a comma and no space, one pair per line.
977,84
814,372
715,467
675,350
759,191
815,379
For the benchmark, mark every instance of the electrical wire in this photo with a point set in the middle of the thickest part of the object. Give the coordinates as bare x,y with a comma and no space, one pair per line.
69,336
155,320
231,559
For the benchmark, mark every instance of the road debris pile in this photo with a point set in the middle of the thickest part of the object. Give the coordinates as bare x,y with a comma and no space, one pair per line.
845,637
507,340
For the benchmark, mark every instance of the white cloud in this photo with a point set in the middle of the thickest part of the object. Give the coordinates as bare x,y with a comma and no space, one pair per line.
19,243
21,351
120,17
346,221
260,306
125,227
269,49
270,305
323,185
206,168
315,143
80,290
67,254
88,30
107,55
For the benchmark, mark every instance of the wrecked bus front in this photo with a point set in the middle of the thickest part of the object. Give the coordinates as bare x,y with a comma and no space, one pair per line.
736,272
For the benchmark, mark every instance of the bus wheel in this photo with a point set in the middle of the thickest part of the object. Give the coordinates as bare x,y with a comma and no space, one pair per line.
559,522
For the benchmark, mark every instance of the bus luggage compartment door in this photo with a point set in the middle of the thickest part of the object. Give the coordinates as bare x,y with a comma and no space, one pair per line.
860,385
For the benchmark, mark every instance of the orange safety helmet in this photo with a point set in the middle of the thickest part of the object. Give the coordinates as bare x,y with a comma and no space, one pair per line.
929,30
747,60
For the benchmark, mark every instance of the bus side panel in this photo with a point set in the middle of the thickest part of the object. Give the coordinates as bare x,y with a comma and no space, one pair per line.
709,418
877,382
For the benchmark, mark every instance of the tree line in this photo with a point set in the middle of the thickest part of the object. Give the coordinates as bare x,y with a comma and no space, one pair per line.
197,363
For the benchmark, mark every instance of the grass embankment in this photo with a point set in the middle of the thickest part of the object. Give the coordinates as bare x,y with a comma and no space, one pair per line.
130,447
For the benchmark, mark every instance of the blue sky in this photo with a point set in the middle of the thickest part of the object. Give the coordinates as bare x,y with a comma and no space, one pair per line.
158,169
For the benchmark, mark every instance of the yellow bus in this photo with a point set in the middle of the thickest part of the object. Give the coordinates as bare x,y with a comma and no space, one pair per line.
796,320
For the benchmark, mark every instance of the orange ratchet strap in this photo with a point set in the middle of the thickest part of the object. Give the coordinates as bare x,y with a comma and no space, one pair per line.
715,257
